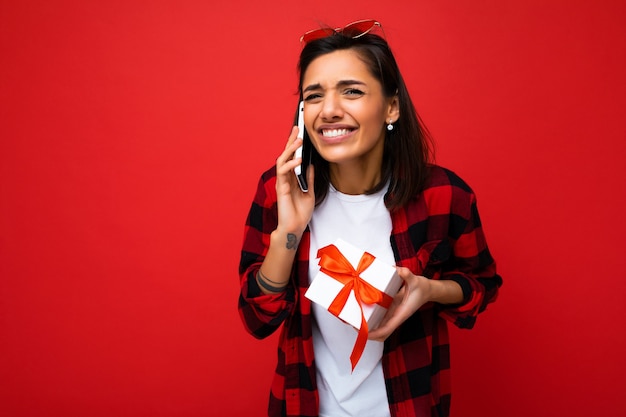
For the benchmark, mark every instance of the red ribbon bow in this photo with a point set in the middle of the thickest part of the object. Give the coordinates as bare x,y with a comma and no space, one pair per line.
334,264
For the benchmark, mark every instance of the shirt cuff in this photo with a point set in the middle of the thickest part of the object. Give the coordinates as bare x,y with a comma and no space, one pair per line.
466,287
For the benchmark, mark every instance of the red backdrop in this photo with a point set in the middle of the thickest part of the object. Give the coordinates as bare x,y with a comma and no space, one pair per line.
132,135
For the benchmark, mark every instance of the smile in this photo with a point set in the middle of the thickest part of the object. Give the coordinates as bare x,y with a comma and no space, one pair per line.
333,133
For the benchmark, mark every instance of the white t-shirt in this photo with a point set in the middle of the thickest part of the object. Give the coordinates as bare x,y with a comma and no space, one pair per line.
365,222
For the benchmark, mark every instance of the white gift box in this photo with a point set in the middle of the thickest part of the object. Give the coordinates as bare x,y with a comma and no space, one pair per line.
382,276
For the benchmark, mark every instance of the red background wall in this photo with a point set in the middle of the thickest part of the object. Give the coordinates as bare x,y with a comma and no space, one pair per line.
132,135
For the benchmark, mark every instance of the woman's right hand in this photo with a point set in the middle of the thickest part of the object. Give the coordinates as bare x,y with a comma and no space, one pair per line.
295,207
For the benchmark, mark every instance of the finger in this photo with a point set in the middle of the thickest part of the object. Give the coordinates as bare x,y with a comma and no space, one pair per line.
293,135
287,161
287,166
385,329
404,272
391,320
380,334
290,148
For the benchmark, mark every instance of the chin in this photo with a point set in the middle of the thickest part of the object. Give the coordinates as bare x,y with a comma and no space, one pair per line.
335,157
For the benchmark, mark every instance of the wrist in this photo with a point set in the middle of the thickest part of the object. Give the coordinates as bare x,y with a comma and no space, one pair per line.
444,291
270,285
285,239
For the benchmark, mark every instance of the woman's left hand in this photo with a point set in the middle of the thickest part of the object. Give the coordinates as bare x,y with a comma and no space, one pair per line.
414,293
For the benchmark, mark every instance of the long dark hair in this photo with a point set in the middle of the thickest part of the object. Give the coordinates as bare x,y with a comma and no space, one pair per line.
408,147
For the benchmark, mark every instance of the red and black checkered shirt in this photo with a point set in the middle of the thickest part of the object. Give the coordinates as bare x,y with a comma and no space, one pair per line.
437,235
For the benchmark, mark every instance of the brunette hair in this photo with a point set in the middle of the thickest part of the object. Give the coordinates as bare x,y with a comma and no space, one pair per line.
408,147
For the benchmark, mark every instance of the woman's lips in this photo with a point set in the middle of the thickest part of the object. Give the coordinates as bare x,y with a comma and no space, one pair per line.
335,134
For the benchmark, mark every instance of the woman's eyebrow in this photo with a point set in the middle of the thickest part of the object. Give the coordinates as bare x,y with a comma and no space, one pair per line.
312,87
342,83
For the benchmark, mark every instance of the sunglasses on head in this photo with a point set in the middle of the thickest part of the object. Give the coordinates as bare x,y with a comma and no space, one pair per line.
352,30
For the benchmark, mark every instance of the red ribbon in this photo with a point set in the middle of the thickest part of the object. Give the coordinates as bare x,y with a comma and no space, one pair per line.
334,264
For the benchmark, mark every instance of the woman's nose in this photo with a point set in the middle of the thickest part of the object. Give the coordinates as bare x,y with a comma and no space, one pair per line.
331,108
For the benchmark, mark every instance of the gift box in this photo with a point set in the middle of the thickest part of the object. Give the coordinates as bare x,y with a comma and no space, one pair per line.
354,286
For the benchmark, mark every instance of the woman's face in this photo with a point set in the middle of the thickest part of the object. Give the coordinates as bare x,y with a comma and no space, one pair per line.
345,111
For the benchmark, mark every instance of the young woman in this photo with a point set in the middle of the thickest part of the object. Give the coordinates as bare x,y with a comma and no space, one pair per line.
371,183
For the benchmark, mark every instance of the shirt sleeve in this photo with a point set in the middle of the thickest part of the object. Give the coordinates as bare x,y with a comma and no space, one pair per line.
470,263
261,313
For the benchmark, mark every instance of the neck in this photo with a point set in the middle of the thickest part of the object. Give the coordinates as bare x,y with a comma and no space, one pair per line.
355,178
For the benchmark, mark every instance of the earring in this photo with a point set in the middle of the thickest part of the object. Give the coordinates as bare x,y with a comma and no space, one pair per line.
390,126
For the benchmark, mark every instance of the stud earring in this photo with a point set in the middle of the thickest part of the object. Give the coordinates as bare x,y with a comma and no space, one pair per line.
390,126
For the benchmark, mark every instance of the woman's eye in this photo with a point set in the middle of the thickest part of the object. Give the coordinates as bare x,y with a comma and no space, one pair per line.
312,97
354,92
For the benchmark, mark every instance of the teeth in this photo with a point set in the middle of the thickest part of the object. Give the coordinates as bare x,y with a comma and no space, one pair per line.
331,133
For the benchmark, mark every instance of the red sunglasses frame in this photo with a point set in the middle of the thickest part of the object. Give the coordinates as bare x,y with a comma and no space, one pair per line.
353,30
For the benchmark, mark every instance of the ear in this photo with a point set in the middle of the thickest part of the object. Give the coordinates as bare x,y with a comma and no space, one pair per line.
393,109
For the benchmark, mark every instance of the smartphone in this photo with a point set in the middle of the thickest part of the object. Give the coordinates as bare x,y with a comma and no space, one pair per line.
303,151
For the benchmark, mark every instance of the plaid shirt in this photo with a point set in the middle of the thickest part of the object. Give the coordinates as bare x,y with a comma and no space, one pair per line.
437,235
